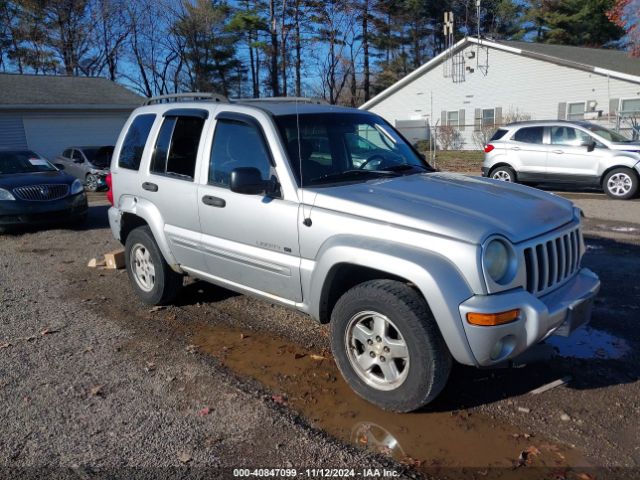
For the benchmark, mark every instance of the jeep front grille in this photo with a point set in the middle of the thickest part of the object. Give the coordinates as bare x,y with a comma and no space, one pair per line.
552,261
41,192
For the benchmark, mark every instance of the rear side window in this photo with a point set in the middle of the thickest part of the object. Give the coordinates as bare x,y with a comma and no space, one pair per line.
134,142
501,132
529,135
177,147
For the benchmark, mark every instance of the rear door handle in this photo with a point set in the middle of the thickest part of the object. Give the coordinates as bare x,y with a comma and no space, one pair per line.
151,187
214,201
558,151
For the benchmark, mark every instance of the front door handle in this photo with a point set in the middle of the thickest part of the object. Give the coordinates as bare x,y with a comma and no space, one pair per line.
151,187
558,151
214,201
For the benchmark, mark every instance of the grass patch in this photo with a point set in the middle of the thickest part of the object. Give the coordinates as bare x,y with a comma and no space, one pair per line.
467,161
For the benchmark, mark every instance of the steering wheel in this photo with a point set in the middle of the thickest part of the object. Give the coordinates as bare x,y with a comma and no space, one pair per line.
372,158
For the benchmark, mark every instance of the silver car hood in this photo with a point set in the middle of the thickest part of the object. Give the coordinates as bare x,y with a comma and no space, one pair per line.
452,205
627,147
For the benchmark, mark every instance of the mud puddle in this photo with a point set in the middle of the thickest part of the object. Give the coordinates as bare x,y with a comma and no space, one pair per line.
590,343
440,442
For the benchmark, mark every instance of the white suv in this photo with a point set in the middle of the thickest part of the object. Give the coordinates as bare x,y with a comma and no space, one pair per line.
576,153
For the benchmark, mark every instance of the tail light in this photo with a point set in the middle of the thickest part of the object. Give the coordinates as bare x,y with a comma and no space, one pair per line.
110,188
488,148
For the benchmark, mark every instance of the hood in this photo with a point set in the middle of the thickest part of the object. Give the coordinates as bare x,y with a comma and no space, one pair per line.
626,146
452,205
15,180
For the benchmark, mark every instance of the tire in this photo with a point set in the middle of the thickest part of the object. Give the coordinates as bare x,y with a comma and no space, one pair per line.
620,183
409,321
91,182
506,174
151,277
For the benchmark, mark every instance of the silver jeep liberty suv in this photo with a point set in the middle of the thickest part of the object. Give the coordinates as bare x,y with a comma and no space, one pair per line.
329,211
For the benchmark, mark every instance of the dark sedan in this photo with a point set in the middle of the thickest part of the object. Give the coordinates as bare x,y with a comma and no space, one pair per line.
34,192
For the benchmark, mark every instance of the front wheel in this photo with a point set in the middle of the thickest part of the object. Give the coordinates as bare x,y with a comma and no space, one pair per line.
621,183
388,346
91,182
151,277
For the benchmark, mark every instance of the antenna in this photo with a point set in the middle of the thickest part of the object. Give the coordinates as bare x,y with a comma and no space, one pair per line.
448,42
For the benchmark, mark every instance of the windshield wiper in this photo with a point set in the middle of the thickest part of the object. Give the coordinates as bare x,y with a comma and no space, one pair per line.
405,166
351,174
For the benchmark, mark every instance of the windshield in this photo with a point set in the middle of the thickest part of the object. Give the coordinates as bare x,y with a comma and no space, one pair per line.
346,147
608,134
98,156
23,161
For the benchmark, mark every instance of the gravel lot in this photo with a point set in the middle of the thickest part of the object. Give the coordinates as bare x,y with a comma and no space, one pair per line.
92,381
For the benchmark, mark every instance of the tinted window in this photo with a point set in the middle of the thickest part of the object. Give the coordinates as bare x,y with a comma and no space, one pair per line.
77,156
529,135
23,161
177,147
501,132
67,153
237,144
133,145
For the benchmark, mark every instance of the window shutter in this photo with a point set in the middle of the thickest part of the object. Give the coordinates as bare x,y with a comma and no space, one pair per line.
614,105
498,117
562,111
461,122
443,120
478,119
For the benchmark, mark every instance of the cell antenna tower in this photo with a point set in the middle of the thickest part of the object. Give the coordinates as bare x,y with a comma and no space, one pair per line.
448,44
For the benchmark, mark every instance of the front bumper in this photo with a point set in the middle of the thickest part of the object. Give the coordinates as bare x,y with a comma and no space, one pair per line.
22,212
559,312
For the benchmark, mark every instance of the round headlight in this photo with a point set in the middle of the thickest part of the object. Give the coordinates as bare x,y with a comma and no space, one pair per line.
497,261
76,187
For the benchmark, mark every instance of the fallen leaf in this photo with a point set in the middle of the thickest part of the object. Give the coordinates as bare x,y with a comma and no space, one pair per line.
184,457
279,399
48,331
316,357
298,356
585,476
96,391
5,345
150,367
157,308
191,348
243,336
203,412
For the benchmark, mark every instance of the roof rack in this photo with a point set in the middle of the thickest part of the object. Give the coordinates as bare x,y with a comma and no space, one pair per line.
185,97
313,100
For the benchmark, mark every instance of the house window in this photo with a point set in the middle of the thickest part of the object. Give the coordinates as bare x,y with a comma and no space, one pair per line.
630,106
488,117
575,111
453,119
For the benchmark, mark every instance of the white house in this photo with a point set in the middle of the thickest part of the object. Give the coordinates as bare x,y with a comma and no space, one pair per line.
49,113
478,84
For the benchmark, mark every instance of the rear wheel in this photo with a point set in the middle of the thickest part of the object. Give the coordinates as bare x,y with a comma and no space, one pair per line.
151,277
505,174
388,347
621,183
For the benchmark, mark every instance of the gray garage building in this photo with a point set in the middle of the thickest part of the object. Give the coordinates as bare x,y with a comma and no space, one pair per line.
48,113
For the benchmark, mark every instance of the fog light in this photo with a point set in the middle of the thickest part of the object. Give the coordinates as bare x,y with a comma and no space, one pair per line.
493,319
503,347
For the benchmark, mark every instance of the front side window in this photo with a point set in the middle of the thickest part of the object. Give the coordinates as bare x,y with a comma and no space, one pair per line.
176,148
529,135
134,142
237,144
608,134
575,111
330,148
76,156
569,136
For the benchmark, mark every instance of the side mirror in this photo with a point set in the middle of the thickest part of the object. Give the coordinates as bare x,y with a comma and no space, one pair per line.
590,144
248,180
59,166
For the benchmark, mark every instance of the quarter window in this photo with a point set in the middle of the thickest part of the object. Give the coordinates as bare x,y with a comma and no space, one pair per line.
237,144
177,147
529,135
134,142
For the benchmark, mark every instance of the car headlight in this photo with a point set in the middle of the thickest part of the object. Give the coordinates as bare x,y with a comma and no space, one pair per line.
76,187
499,261
6,195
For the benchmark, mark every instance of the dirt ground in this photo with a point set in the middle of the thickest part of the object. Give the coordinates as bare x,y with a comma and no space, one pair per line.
93,383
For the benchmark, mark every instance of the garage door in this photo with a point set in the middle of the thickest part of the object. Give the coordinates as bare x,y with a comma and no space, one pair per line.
12,132
50,135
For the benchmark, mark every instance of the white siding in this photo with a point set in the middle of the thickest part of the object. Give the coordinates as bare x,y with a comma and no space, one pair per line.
511,82
50,133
